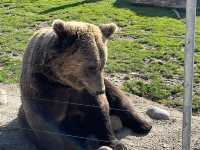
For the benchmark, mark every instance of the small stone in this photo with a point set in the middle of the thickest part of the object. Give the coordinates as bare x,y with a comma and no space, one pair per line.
160,62
3,97
43,25
126,78
146,60
116,123
158,113
14,53
165,145
104,148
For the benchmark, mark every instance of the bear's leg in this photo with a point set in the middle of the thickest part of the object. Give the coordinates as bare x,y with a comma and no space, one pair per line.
101,124
46,134
124,109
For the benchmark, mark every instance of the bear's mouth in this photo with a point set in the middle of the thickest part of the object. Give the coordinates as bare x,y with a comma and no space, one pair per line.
94,92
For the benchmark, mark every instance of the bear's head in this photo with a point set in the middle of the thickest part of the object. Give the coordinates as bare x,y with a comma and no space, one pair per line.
82,54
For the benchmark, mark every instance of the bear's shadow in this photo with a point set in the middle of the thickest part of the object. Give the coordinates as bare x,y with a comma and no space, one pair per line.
12,137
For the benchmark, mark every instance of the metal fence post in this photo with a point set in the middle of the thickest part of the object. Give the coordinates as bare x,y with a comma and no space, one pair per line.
189,63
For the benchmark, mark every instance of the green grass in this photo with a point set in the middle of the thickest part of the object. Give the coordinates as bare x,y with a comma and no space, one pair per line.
152,42
155,90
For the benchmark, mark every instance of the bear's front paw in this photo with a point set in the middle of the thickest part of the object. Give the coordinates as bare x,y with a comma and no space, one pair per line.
144,129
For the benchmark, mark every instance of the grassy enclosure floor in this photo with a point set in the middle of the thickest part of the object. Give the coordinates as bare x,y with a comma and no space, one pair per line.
150,42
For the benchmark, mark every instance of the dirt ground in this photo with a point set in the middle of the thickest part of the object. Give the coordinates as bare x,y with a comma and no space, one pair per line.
165,135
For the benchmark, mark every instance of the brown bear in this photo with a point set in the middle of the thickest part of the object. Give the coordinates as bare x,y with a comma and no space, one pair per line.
65,96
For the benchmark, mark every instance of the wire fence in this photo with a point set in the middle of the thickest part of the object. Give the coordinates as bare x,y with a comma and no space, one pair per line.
54,133
58,100
8,128
66,135
137,145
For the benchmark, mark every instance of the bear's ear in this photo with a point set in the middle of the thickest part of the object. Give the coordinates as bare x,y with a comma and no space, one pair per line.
66,36
108,29
59,27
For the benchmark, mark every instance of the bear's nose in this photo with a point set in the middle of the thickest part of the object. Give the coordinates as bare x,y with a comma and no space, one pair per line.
100,92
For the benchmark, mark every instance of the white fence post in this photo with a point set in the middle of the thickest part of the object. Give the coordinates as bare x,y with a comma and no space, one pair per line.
189,63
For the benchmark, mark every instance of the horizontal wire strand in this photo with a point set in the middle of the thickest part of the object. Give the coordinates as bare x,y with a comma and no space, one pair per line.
58,101
62,134
50,132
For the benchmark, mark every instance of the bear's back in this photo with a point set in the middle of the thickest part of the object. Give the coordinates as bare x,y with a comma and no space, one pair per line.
39,45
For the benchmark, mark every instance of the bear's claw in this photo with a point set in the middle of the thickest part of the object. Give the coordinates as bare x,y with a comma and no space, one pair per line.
145,129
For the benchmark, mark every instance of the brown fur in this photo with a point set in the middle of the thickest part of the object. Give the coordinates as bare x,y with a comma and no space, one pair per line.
62,76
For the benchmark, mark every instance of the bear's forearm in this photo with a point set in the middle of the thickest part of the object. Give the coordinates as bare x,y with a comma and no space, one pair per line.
122,106
101,119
